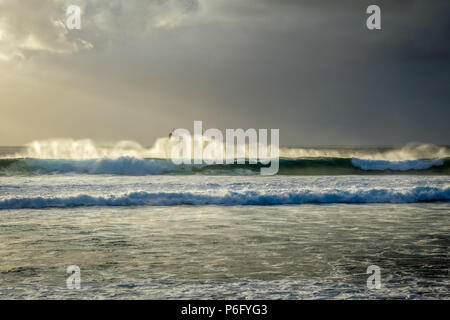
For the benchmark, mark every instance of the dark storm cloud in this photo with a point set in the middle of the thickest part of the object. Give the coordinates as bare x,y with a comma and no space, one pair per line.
332,81
310,68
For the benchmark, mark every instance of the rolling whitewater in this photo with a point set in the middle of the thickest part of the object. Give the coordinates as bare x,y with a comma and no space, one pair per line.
140,226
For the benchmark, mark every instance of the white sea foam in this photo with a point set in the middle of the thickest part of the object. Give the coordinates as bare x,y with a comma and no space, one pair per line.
410,151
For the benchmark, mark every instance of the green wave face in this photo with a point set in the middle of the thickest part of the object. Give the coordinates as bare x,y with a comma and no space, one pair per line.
287,166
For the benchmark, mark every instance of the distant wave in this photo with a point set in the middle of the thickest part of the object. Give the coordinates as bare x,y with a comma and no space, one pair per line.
416,194
303,166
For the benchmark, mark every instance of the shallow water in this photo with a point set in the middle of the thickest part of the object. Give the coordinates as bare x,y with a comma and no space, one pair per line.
231,252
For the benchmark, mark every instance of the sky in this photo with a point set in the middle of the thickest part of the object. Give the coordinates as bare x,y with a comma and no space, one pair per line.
136,69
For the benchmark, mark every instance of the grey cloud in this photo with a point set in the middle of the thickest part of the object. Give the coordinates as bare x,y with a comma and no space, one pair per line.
310,68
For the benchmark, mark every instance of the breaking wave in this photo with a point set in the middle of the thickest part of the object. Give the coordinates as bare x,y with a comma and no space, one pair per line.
59,156
138,167
120,166
416,194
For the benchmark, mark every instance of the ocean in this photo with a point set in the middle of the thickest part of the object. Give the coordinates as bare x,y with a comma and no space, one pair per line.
140,227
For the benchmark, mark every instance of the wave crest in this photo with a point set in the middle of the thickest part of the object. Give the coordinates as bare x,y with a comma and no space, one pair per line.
162,147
